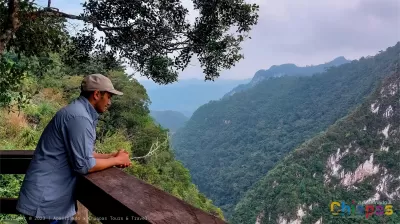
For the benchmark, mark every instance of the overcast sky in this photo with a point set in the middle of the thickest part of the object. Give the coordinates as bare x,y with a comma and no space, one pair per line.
305,32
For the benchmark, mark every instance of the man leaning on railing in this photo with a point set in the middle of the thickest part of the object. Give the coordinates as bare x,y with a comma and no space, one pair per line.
65,150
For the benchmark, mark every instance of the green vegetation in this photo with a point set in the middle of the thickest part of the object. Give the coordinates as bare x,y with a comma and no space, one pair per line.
126,125
303,178
228,145
42,65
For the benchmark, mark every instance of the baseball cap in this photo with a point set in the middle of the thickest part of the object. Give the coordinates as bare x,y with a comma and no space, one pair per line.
98,82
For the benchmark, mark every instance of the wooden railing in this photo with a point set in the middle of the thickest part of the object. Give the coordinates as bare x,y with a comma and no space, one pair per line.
113,195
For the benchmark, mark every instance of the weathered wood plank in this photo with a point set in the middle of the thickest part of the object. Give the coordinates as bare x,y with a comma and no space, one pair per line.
82,215
110,209
8,206
128,198
27,154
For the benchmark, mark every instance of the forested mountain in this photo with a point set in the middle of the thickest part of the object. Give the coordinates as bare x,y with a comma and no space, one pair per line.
168,119
288,70
186,96
356,161
230,144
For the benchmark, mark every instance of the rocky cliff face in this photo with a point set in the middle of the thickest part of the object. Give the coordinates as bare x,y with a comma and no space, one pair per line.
353,166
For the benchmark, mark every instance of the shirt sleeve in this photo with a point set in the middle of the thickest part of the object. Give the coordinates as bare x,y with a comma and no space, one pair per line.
80,137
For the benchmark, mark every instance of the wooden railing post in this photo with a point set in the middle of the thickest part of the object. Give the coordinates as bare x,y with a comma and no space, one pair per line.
82,215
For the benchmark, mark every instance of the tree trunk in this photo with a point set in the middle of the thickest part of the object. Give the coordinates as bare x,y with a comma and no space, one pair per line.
11,25
82,216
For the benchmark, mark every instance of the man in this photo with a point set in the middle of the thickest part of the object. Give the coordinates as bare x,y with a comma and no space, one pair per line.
65,150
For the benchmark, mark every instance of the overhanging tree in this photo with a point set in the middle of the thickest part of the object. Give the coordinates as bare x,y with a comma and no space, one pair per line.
153,36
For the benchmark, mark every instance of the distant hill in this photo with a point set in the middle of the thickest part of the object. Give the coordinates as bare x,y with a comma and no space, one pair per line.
288,70
171,120
187,95
228,145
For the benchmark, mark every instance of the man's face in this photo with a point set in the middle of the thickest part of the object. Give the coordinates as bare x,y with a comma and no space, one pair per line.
103,102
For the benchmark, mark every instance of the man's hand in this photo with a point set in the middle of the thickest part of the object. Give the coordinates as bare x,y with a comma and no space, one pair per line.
114,154
119,159
122,157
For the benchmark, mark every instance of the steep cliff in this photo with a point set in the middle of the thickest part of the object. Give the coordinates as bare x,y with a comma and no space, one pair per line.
356,161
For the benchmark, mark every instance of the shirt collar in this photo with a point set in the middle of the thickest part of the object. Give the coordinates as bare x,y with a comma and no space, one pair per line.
89,107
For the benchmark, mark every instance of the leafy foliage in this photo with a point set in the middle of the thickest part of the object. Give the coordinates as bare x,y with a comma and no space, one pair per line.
147,33
127,125
229,144
10,79
34,35
154,37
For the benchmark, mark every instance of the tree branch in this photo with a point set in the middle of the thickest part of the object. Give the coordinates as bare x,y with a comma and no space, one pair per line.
154,147
177,46
14,23
51,12
12,26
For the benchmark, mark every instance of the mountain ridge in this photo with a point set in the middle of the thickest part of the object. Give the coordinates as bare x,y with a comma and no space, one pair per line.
186,96
169,119
289,69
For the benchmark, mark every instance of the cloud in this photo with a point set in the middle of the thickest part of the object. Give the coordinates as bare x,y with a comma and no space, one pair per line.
304,32
314,32
358,27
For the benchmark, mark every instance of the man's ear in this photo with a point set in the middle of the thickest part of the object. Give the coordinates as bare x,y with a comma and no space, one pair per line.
96,95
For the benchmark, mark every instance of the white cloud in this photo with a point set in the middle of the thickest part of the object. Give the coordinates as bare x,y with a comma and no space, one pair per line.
314,32
304,32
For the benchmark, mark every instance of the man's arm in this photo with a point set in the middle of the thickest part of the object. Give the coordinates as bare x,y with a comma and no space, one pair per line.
79,137
120,159
102,164
103,156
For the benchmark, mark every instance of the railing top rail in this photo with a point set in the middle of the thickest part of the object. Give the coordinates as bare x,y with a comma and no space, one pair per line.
23,154
124,198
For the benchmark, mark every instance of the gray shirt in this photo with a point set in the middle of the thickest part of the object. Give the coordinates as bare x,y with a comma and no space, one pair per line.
64,151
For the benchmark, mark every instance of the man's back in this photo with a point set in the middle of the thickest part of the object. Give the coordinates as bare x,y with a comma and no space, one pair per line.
64,149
